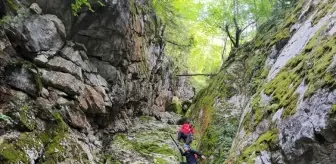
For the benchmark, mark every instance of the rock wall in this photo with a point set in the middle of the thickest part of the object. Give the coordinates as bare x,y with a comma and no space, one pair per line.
68,84
281,86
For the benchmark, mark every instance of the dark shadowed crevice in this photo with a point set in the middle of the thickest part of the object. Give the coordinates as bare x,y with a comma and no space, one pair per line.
2,10
319,137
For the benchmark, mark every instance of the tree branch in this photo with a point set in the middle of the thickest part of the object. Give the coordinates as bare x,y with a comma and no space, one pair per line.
248,25
198,74
176,44
229,35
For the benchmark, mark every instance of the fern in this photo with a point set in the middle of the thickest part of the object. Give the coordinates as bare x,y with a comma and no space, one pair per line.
80,3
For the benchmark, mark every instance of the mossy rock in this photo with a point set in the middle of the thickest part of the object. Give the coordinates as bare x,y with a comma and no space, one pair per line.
322,10
24,118
310,68
12,154
175,106
149,142
55,143
262,143
17,151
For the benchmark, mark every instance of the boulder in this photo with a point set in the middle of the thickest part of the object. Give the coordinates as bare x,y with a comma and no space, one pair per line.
22,76
35,8
58,23
76,118
42,33
92,101
62,81
62,65
41,59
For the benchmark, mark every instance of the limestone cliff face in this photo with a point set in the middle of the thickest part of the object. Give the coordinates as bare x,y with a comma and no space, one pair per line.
275,96
67,84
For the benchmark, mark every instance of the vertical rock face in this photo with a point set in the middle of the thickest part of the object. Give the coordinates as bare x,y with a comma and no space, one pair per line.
283,94
73,82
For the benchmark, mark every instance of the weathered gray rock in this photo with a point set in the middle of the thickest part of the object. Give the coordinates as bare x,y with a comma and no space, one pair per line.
70,54
184,89
296,44
77,57
58,23
264,158
35,8
307,134
308,125
22,76
123,77
106,70
42,34
62,65
95,80
41,59
62,81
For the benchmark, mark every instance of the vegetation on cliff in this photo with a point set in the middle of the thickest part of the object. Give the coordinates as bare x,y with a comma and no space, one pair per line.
237,42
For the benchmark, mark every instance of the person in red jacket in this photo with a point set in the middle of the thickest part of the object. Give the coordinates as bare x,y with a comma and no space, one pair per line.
186,133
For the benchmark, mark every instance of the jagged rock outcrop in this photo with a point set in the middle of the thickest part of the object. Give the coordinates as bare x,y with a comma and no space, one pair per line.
281,86
68,84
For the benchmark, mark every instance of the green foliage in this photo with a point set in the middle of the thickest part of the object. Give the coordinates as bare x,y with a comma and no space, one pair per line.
78,4
218,137
190,43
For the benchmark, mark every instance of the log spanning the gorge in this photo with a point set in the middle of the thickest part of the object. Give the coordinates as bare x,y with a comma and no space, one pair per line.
198,74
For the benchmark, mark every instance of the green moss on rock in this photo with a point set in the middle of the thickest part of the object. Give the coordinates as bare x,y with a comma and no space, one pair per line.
333,110
264,142
309,67
149,148
24,118
322,10
53,139
10,153
175,106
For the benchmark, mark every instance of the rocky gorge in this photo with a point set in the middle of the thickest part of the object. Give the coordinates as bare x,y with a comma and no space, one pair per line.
81,89
95,86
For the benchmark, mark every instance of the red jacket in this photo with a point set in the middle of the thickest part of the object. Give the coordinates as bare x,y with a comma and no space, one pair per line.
186,129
